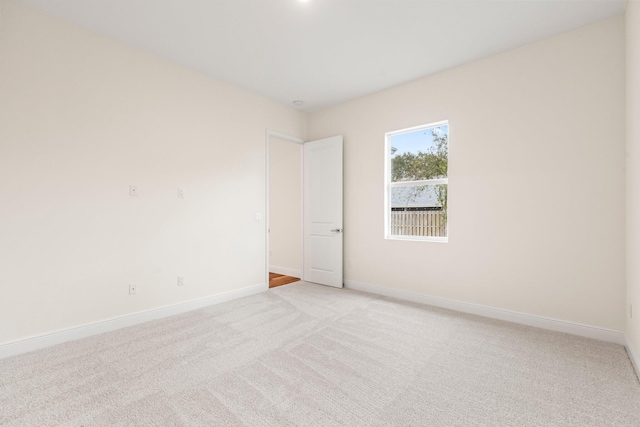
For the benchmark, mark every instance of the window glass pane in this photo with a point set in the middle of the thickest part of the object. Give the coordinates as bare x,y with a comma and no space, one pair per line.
421,154
419,211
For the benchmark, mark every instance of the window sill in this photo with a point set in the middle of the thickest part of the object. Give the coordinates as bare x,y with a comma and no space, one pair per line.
419,239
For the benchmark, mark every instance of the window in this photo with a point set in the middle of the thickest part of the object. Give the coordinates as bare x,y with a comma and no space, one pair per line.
416,180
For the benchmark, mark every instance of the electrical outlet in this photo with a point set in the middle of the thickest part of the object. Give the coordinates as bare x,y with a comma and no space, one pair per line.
133,289
180,193
180,280
133,190
257,217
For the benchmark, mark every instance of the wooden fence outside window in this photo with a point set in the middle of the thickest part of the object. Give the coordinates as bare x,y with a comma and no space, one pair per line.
418,223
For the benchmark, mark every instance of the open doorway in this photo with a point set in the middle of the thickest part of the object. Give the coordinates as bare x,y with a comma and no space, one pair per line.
284,192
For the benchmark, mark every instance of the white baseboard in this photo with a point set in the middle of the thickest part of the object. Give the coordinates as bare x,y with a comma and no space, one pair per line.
285,271
588,331
58,337
635,359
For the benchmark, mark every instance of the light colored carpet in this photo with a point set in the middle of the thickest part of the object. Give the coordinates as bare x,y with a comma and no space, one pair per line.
309,355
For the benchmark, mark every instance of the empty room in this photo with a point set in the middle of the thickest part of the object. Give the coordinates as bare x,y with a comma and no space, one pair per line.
319,213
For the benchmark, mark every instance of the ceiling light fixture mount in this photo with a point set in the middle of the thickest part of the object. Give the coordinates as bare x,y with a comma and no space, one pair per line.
298,103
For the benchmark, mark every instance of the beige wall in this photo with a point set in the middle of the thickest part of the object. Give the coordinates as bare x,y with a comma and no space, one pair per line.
81,118
285,206
633,173
536,180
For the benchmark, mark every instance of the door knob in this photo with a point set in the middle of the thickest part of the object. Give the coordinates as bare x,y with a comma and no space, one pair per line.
337,230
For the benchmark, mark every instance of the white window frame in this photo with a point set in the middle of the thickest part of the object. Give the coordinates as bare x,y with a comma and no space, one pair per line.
388,185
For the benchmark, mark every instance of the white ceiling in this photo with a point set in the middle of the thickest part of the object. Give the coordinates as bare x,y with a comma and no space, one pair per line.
326,51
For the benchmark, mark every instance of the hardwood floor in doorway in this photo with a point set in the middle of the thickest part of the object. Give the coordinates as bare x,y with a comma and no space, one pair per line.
279,280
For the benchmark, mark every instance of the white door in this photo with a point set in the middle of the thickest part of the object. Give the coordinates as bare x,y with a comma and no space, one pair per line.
323,211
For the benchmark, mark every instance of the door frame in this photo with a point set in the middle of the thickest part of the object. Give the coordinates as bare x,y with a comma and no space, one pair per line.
294,139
